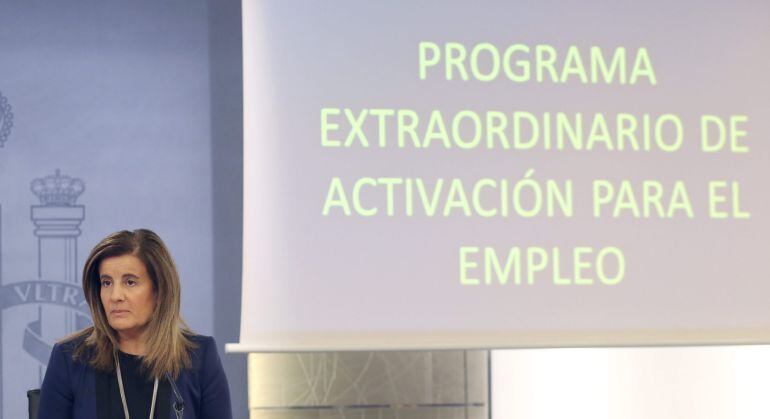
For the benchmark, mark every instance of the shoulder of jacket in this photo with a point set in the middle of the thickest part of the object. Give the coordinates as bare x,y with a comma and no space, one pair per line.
69,345
200,339
201,346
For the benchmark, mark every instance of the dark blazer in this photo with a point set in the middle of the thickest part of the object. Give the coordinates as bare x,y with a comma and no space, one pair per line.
70,391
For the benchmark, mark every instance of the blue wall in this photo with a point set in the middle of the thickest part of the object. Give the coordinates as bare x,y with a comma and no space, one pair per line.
140,102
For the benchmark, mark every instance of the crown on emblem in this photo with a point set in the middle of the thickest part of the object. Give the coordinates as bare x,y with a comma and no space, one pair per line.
58,189
6,119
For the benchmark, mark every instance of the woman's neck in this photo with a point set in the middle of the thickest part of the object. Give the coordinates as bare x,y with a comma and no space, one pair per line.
134,345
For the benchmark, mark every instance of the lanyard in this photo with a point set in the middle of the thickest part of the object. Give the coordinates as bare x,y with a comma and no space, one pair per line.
123,393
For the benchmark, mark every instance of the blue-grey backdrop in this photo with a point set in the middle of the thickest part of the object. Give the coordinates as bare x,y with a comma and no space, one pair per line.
116,115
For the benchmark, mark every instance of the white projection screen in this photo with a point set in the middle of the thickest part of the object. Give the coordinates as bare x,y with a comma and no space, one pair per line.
458,174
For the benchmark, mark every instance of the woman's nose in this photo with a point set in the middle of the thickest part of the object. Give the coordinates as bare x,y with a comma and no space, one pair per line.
117,294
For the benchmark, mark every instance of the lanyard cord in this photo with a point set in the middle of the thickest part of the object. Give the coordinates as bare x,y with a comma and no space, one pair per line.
123,393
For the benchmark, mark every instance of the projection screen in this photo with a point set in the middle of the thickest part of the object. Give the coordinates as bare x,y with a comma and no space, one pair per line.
505,174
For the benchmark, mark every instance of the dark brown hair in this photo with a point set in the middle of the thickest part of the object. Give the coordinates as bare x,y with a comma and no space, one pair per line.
168,340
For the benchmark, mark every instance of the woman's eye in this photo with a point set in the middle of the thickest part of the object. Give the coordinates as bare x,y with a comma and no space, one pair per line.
130,282
106,283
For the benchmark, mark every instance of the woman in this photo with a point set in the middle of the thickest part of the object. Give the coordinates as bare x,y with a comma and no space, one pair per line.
139,360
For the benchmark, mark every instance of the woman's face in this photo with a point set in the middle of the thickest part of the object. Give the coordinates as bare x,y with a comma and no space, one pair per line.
127,294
